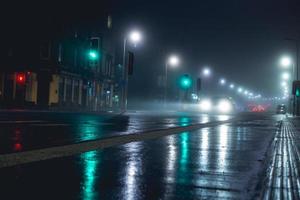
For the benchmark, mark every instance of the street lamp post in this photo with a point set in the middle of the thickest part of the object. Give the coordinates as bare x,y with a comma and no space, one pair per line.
171,61
205,73
135,37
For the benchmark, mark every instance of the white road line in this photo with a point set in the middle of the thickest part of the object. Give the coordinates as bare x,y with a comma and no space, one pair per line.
22,122
12,159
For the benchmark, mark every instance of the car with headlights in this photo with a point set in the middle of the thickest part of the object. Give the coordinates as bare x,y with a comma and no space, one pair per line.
219,105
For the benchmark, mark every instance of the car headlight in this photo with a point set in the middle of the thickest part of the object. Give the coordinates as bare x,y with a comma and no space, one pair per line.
224,106
205,105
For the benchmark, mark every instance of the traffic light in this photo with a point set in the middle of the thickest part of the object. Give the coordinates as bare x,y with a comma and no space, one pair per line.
296,88
130,63
93,55
93,51
185,82
297,92
20,78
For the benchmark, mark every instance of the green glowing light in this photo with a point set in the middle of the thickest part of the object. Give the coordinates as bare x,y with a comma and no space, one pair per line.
185,82
90,161
184,121
93,55
184,142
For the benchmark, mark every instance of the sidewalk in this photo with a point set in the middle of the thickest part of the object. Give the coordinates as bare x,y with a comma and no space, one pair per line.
282,179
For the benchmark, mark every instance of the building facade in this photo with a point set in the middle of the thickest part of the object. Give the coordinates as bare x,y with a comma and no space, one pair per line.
74,70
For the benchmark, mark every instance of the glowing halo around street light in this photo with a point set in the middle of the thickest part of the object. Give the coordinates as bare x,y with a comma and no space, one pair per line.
283,84
173,60
206,72
222,81
231,86
285,61
135,36
285,76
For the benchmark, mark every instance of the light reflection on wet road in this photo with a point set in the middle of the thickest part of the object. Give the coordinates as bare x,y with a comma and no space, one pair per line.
218,162
53,129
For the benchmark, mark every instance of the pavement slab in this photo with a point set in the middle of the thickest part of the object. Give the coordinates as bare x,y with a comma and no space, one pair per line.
282,177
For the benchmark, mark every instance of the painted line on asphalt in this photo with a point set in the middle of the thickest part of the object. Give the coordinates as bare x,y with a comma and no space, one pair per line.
50,125
22,122
13,159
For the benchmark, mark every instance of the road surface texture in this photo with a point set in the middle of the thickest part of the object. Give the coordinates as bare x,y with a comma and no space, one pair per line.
282,180
237,159
21,131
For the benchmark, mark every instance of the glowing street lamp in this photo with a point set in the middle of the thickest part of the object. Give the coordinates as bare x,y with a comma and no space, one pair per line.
286,62
240,90
285,76
172,61
231,86
206,72
283,84
222,81
134,37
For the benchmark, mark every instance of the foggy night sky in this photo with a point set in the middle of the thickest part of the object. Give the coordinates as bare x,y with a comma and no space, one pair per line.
241,40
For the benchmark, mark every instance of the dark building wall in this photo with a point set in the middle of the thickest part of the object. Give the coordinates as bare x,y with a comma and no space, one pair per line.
50,46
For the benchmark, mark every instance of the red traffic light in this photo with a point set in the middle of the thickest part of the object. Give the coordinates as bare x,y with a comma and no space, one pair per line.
21,78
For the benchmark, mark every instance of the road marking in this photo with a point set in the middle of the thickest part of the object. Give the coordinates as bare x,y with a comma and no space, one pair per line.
22,122
50,124
13,159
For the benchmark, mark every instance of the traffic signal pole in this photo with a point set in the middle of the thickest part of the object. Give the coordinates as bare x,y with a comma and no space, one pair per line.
166,84
124,79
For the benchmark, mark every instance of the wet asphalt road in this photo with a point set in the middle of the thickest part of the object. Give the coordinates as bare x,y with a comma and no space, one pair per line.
224,162
21,131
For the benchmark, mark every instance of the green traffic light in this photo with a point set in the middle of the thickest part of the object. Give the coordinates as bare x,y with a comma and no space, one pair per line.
93,55
297,92
185,82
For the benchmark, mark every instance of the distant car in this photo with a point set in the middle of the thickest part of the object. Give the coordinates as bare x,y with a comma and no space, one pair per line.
281,109
220,105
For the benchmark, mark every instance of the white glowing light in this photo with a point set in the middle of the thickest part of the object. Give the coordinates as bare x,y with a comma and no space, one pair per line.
206,72
205,105
285,76
222,81
173,60
224,106
286,61
135,36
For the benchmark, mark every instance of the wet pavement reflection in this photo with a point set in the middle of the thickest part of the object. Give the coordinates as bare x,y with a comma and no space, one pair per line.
217,162
60,129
